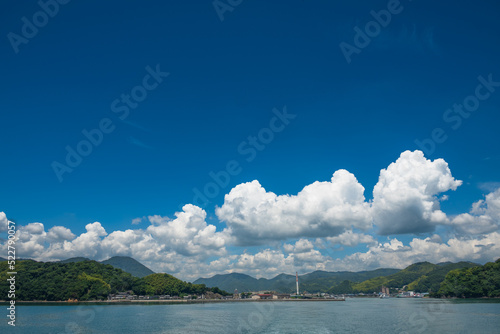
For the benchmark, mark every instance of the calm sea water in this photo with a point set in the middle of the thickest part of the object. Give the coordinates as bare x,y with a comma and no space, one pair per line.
352,316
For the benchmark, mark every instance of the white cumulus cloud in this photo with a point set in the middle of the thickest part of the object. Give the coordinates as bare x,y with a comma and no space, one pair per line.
59,233
394,254
484,216
351,239
188,234
405,197
3,222
256,216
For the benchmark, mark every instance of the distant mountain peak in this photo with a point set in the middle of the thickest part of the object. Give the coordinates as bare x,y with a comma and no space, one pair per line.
75,259
129,265
121,257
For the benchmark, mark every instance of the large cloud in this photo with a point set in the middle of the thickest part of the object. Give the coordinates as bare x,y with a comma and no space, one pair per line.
59,242
255,216
188,234
405,200
405,197
484,216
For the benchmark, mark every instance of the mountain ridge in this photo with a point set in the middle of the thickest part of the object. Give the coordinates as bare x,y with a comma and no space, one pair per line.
125,263
315,281
129,265
420,276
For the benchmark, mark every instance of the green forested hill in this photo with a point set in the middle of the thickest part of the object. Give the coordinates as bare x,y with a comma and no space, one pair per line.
431,281
54,281
397,280
165,284
87,280
479,281
421,277
125,263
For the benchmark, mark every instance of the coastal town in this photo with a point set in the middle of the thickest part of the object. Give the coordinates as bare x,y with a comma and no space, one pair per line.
385,292
236,296
265,295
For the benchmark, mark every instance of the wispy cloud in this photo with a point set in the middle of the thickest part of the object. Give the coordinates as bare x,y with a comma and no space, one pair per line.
488,186
412,38
137,221
135,125
137,142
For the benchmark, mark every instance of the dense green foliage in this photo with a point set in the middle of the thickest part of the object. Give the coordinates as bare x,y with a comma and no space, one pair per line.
125,263
431,281
343,288
420,277
404,277
165,284
88,280
479,281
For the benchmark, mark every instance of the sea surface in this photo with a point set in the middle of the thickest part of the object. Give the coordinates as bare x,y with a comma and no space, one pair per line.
355,315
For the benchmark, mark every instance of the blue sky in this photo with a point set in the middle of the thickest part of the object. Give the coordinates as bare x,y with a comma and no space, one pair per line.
225,78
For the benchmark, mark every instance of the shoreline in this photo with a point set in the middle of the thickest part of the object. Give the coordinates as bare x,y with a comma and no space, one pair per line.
192,301
206,301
